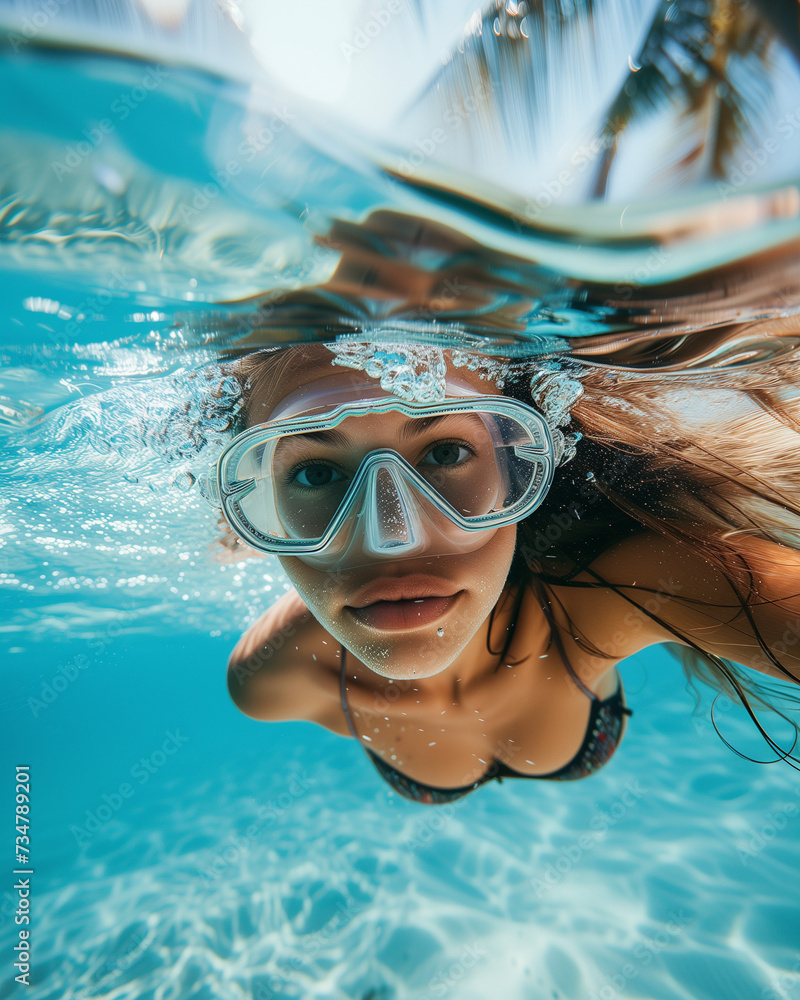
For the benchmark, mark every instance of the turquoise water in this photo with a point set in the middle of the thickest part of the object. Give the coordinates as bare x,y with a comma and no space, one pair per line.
271,861
182,850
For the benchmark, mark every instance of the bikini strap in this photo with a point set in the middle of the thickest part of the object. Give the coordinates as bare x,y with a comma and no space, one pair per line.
563,653
344,695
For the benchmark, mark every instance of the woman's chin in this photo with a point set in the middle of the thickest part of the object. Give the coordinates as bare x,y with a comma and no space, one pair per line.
406,672
406,659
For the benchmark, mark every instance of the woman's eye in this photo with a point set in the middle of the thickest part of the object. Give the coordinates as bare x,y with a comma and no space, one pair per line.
447,453
317,475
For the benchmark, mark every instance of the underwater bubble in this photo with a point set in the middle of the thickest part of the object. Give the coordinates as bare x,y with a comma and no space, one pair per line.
183,480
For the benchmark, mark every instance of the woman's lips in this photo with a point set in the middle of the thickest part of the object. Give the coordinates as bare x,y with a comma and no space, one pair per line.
391,616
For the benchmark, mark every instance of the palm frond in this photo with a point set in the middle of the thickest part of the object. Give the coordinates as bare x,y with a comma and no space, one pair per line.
709,59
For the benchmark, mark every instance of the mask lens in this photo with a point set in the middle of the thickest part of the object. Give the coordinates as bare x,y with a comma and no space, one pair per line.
460,462
308,481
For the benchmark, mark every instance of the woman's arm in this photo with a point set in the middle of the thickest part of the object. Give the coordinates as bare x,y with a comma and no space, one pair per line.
679,588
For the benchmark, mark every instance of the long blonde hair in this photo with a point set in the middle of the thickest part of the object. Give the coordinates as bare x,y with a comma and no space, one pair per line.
703,457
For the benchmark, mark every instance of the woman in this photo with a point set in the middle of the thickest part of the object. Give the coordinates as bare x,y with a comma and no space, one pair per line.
493,653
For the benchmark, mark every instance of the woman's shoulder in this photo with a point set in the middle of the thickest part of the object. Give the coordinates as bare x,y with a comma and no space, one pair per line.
287,617
285,666
657,589
620,602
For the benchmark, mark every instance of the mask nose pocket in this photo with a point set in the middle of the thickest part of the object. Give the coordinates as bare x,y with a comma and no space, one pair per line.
391,523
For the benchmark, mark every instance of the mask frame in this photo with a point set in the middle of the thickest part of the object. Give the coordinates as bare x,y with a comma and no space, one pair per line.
223,488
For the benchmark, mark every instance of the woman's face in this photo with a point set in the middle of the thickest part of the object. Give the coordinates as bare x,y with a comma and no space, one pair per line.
407,617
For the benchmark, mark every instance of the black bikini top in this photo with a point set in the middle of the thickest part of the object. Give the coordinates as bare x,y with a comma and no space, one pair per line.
602,736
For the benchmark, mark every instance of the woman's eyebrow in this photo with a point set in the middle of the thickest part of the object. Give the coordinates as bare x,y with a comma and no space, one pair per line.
413,428
331,437
416,427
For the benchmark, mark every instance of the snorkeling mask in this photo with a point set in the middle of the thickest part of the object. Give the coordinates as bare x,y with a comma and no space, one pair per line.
311,483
